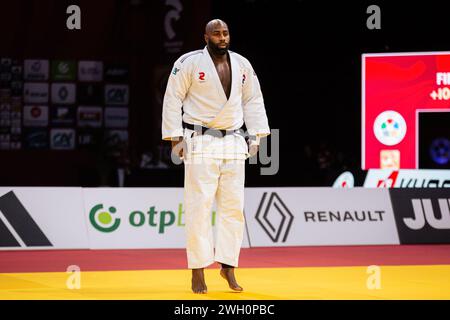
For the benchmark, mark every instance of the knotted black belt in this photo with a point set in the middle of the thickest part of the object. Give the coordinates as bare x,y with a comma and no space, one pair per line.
217,132
210,131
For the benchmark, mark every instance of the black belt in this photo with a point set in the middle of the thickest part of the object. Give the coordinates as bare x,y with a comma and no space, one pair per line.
217,132
213,132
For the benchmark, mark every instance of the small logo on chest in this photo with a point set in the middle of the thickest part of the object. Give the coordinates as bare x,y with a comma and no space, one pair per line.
201,76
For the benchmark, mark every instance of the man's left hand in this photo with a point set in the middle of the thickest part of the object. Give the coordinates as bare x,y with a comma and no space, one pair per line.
253,149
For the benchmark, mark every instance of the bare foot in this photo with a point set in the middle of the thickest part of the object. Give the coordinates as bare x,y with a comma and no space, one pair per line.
228,274
198,281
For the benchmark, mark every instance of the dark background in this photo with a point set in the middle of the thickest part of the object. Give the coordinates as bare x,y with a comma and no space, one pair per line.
307,55
433,127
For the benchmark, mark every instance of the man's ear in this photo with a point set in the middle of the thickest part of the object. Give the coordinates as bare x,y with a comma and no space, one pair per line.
206,38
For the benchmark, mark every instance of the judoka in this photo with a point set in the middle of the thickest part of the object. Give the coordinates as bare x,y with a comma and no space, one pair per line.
210,95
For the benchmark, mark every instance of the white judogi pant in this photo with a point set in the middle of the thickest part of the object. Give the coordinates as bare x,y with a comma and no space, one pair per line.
205,181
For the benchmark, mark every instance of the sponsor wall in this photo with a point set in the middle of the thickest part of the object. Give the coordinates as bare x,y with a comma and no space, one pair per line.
319,216
385,178
115,218
422,215
404,178
42,218
63,104
137,218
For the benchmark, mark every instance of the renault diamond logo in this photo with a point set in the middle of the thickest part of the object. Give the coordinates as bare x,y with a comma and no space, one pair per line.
274,217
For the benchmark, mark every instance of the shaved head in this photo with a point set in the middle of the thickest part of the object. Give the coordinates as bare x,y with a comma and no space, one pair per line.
217,37
214,24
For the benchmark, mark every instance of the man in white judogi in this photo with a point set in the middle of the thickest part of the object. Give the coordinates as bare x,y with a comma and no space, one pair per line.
218,91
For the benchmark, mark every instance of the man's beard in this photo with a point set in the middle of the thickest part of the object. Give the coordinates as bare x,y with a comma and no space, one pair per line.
216,50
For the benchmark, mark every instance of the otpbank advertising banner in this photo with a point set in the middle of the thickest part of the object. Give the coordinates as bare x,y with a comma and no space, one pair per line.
402,94
127,218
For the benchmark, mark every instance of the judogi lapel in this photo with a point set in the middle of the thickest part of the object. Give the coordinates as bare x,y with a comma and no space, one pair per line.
229,110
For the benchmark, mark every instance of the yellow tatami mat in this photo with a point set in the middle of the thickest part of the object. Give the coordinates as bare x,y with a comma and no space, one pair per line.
395,282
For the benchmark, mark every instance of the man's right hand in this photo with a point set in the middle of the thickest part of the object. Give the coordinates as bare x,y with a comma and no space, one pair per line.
177,147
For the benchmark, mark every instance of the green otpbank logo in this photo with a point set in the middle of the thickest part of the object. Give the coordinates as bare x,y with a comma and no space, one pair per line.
108,220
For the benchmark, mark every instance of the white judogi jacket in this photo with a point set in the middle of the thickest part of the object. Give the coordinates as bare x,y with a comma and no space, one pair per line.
194,86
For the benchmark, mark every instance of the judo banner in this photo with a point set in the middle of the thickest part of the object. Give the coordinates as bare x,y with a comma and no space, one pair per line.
406,110
319,216
126,218
42,218
422,215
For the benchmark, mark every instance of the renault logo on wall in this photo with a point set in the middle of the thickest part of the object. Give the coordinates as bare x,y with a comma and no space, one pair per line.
17,227
274,217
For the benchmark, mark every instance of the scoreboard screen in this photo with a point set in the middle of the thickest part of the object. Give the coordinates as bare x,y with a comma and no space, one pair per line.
405,107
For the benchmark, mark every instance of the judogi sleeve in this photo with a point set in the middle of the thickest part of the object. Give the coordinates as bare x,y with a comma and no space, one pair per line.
176,90
255,117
